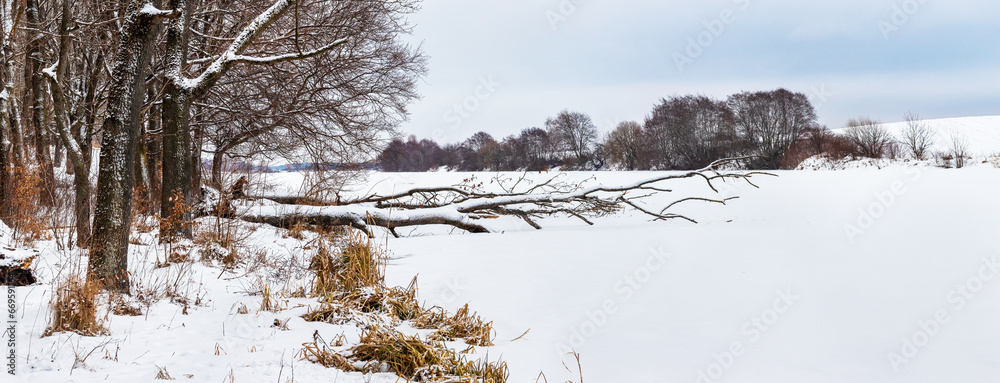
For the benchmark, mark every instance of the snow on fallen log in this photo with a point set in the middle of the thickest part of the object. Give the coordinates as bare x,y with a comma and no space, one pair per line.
466,205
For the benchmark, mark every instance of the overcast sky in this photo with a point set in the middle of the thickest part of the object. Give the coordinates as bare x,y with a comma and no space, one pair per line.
507,65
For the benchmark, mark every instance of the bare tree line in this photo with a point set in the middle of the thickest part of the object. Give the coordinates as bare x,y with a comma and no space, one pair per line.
681,133
768,130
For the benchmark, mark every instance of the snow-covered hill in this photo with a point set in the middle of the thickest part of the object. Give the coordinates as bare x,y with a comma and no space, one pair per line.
982,133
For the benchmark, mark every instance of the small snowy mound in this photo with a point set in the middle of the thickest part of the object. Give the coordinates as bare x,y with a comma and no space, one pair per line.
825,163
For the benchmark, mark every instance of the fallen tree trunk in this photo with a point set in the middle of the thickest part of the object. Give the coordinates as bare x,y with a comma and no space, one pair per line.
466,205
15,266
360,217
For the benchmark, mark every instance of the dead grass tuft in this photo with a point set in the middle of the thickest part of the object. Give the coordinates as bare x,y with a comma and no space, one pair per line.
357,266
387,350
351,283
269,303
463,325
74,309
397,303
162,374
123,305
26,218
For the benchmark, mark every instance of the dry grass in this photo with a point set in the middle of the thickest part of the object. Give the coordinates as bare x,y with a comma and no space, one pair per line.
269,303
26,218
396,303
174,225
74,309
994,159
358,265
352,283
224,242
297,231
123,305
162,374
407,356
463,325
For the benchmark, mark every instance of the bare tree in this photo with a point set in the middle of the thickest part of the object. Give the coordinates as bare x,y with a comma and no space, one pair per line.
623,145
959,149
78,152
319,81
698,131
770,122
869,137
918,136
575,133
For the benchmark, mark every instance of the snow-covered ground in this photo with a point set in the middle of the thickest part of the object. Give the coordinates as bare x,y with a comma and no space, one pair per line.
859,275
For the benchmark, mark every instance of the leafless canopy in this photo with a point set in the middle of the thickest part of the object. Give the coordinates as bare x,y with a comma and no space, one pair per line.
770,122
918,136
869,137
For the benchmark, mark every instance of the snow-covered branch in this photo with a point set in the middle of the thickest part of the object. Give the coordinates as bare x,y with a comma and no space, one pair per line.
286,57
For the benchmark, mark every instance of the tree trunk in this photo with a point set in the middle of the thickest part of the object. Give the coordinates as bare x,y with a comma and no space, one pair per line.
175,191
6,139
112,220
74,148
195,161
36,103
153,147
217,159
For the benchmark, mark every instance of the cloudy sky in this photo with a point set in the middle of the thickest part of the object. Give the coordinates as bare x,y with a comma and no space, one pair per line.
504,65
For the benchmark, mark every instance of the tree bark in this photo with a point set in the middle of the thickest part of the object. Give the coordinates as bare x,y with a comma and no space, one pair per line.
112,220
6,141
176,186
35,104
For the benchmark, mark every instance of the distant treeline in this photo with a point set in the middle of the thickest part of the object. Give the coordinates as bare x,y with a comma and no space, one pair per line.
777,128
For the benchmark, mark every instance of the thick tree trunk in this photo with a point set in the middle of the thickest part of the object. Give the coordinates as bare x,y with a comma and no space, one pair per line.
112,220
176,184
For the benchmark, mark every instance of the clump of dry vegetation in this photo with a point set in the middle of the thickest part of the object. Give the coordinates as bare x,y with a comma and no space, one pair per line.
463,325
75,309
25,211
357,266
351,284
387,350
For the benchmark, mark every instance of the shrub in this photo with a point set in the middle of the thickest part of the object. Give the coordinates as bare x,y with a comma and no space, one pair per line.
74,309
869,137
